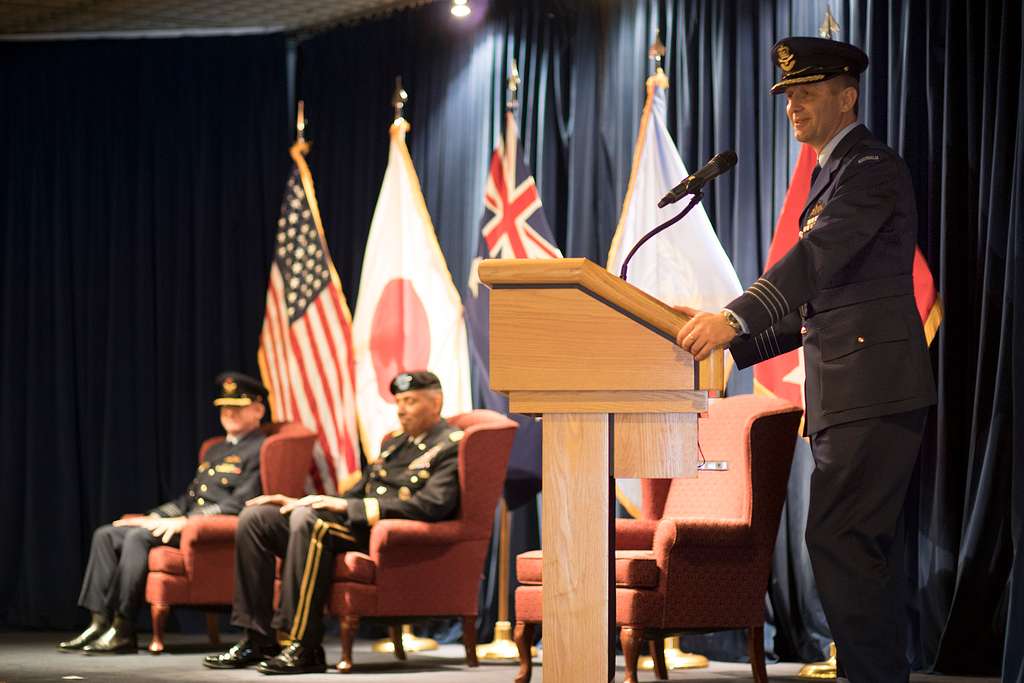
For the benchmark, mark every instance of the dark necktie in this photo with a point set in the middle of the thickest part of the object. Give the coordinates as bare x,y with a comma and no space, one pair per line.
814,174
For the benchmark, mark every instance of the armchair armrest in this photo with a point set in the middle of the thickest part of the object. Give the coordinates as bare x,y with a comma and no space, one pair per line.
208,529
407,532
707,533
635,534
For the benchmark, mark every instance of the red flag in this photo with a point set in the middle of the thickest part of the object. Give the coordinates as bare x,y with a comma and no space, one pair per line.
305,353
783,376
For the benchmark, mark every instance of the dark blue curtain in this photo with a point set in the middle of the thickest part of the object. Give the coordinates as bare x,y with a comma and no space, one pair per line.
138,201
943,89
139,188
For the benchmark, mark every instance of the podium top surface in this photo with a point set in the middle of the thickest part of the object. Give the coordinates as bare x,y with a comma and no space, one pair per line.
587,275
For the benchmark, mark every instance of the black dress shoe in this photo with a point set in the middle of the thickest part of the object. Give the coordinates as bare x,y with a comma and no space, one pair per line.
116,640
100,623
295,659
241,655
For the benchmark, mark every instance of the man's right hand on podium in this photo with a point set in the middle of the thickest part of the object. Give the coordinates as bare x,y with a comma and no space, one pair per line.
704,332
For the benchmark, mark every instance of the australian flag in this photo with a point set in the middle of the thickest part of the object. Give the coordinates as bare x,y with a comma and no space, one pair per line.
513,226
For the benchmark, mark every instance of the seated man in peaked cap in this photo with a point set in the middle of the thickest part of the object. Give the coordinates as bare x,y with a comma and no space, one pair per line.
415,477
115,578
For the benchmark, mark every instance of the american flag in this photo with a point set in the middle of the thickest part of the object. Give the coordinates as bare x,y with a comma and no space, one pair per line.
305,352
513,226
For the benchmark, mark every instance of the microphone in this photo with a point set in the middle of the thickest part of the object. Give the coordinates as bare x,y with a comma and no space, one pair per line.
692,184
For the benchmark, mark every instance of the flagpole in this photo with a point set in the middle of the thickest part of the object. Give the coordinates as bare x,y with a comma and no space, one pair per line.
503,646
410,641
675,658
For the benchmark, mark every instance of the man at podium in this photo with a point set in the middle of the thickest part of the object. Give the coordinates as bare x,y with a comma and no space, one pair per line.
844,292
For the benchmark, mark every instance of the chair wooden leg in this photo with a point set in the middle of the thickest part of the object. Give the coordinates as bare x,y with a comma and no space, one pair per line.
395,632
523,635
657,647
348,625
158,614
213,628
755,650
469,638
631,638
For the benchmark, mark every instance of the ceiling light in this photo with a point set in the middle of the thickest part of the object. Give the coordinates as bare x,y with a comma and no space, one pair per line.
460,8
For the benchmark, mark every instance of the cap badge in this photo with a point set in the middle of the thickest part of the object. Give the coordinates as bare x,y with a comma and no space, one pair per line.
786,59
229,385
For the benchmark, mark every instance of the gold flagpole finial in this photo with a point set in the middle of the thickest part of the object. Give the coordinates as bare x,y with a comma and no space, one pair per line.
657,51
513,86
829,27
400,97
300,123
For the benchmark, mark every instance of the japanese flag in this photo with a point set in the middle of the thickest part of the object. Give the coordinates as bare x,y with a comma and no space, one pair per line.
408,315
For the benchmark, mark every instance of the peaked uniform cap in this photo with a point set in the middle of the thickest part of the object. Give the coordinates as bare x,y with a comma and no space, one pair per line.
237,389
811,60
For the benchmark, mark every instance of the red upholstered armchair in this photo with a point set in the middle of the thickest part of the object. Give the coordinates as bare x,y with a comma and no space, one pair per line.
698,558
201,571
418,570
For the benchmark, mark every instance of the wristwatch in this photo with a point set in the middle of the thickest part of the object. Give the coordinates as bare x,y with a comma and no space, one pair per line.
733,321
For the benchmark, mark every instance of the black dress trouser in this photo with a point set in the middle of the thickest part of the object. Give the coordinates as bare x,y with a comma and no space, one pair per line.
855,540
115,578
308,541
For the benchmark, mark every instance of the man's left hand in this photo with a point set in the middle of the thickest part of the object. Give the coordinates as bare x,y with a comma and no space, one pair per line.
317,502
704,333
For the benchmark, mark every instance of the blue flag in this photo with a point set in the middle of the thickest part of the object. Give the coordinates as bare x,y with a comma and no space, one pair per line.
513,226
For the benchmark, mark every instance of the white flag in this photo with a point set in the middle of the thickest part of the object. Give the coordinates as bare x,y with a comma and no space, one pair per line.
685,265
408,316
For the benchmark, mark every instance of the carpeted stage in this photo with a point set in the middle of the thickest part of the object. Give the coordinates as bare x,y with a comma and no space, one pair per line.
31,656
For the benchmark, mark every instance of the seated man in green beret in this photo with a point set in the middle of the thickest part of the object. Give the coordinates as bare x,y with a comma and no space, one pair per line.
415,477
115,578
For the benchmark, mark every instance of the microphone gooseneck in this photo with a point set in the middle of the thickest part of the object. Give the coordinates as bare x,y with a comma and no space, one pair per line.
667,224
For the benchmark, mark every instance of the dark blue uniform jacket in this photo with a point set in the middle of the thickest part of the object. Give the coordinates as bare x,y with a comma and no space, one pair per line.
845,292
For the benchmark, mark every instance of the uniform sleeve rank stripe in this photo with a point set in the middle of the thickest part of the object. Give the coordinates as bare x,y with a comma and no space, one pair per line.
770,290
766,339
760,299
775,342
765,344
766,301
760,349
782,297
776,302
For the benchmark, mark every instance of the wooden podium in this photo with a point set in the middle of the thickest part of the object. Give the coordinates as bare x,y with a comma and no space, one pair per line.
597,358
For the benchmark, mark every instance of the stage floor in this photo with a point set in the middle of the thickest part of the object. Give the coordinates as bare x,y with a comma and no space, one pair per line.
31,656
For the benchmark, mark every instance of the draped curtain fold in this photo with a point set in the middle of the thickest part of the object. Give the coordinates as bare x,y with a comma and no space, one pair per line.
138,205
139,189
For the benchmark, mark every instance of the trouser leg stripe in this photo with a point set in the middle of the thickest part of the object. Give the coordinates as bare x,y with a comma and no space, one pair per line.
308,579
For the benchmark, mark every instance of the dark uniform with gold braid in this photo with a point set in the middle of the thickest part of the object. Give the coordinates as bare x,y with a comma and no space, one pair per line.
115,578
414,478
845,293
